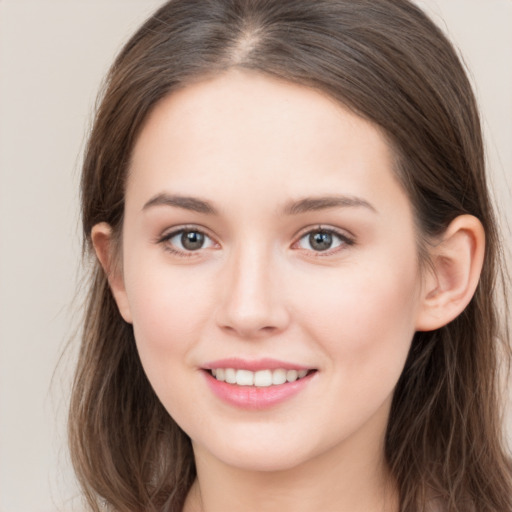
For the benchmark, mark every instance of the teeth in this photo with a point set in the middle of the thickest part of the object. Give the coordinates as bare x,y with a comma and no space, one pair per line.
278,377
291,375
261,378
230,375
244,378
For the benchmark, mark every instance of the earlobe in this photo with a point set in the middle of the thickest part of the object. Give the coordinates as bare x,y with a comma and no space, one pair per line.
103,243
456,264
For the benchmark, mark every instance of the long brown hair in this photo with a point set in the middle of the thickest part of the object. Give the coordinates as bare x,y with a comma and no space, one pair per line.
385,60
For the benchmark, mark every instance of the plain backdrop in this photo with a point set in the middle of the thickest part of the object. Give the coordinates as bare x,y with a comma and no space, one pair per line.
53,55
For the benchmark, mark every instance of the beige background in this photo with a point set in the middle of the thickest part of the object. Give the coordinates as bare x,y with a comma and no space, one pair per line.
53,54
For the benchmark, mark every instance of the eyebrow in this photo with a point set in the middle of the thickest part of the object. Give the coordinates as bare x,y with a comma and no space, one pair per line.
186,202
322,203
304,205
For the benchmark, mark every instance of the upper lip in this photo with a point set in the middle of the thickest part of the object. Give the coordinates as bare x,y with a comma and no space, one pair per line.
253,364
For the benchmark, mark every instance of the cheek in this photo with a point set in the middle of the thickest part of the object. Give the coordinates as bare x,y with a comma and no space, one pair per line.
169,310
168,317
167,303
363,317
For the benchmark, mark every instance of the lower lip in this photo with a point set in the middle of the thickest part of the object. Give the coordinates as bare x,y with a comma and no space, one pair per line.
256,398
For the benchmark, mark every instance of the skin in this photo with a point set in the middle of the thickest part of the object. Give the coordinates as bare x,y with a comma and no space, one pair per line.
250,146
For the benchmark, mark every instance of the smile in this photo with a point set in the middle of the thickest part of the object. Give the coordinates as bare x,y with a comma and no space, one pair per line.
260,378
257,385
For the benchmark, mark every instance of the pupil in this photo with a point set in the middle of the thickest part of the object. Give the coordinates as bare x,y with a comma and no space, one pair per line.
192,240
320,241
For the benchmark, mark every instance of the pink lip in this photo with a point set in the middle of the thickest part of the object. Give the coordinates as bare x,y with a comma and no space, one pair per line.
256,398
254,365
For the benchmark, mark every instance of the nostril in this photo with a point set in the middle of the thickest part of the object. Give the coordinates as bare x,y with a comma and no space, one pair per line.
250,331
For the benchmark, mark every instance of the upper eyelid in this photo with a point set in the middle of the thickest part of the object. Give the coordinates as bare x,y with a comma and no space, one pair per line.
347,241
171,232
343,233
168,235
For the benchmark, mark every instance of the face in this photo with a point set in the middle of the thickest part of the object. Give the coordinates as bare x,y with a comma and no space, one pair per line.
270,270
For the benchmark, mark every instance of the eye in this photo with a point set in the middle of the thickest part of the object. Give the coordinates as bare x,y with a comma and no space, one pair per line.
187,240
323,240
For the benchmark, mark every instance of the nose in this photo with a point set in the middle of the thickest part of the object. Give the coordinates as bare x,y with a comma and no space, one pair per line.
252,302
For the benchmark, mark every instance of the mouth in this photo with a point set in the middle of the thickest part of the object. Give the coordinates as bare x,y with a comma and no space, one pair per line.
257,384
261,379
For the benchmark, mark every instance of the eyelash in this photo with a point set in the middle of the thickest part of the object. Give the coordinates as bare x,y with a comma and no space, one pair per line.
344,241
165,240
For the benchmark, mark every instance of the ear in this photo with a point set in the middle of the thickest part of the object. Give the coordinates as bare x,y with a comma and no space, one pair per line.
457,260
103,243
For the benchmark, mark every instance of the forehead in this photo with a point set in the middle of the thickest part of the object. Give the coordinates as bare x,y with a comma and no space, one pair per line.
247,133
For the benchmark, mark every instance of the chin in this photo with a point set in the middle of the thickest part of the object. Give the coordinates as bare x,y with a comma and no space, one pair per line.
257,461
272,453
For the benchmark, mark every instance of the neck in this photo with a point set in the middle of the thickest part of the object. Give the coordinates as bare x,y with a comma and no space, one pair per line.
350,478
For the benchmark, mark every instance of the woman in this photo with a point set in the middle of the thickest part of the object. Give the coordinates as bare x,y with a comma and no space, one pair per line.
292,305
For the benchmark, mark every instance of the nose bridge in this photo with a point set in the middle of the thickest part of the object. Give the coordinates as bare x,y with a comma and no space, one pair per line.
252,300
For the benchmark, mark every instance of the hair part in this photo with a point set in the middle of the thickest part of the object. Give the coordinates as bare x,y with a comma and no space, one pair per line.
387,62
